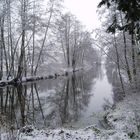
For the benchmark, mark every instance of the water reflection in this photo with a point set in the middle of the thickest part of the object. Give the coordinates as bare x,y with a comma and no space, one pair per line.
102,93
55,103
114,80
48,103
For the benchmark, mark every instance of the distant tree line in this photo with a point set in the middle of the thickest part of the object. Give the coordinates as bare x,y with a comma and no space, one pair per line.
35,33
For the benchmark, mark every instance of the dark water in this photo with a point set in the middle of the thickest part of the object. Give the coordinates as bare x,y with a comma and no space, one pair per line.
58,102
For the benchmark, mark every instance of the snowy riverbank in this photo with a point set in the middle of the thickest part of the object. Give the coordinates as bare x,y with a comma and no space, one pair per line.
65,72
123,123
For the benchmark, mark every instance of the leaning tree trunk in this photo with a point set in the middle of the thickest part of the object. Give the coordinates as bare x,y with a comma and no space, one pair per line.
44,39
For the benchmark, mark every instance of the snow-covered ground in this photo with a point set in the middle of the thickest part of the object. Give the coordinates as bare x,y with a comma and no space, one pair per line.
89,133
122,123
126,116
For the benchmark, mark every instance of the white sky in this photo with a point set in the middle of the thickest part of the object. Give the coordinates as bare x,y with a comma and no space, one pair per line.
85,11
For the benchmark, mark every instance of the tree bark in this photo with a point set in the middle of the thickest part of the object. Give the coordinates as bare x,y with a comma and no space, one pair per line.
125,52
118,65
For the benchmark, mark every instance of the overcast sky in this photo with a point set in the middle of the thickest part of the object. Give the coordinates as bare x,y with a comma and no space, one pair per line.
85,11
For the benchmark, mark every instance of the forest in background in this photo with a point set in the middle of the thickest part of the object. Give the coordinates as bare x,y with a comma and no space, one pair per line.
119,39
37,36
100,102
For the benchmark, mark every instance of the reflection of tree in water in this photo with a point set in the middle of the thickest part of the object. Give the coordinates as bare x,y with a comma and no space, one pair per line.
114,80
71,98
8,119
100,69
74,98
48,103
18,108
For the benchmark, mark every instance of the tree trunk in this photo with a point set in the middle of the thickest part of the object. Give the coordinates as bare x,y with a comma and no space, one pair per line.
1,53
45,36
3,44
22,50
125,52
133,54
118,65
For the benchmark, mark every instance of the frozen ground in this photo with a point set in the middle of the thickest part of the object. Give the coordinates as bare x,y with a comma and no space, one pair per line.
90,133
121,123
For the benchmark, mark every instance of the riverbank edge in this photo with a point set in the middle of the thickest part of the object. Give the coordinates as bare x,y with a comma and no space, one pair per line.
122,123
16,82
